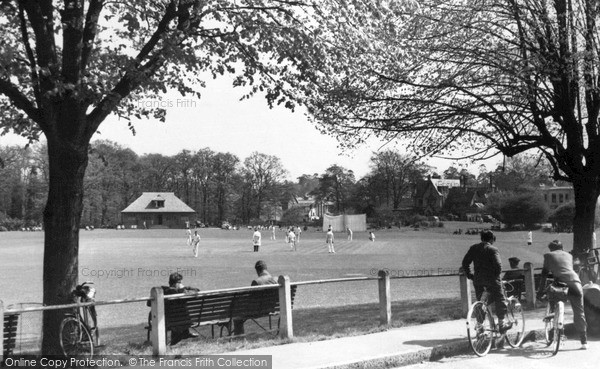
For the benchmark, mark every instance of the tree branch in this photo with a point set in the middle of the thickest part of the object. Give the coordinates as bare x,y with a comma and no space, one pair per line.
90,31
21,101
72,20
129,82
161,29
41,20
30,55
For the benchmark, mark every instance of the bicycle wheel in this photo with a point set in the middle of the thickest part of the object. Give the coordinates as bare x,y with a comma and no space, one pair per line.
549,325
75,340
516,316
480,328
559,315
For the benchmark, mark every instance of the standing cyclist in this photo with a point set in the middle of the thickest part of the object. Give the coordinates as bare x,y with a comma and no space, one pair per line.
560,264
486,276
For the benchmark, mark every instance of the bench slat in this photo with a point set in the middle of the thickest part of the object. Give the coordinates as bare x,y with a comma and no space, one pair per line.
222,308
11,322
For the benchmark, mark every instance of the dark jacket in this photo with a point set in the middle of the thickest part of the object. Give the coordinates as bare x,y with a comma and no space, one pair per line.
560,264
170,290
486,264
264,278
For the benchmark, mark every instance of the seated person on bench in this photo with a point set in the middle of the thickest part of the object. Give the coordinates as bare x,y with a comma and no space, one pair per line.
175,286
264,277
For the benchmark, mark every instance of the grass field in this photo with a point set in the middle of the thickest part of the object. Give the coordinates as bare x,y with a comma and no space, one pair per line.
128,263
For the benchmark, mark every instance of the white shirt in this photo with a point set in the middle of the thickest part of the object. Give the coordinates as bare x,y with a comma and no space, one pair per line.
256,238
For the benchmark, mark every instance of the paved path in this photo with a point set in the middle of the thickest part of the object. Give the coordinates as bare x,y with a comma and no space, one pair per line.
532,355
408,346
396,347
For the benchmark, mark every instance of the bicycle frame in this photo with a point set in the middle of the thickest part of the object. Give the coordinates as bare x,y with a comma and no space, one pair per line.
559,314
589,260
480,315
86,315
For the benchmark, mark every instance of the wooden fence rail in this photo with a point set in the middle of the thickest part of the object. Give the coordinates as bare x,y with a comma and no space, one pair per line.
286,329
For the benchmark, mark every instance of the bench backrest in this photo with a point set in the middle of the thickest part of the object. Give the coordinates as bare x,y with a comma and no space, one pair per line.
11,322
222,307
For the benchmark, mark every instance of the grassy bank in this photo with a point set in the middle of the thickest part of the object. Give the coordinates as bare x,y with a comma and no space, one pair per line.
312,324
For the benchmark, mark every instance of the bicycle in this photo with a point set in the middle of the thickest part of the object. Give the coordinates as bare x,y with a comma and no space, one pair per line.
585,264
79,332
482,328
554,319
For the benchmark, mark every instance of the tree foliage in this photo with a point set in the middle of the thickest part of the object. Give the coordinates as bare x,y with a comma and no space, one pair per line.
67,65
470,78
22,185
522,172
396,174
263,173
336,185
562,217
527,208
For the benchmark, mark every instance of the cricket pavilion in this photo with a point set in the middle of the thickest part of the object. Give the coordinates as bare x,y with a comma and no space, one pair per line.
157,210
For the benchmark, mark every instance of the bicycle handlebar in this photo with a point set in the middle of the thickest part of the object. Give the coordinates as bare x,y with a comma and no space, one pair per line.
85,291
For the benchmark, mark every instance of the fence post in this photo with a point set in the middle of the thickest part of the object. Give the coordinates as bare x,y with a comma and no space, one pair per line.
529,285
465,291
385,300
1,332
159,335
286,327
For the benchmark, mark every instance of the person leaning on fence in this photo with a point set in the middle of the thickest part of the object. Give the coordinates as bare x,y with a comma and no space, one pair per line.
486,274
264,278
560,264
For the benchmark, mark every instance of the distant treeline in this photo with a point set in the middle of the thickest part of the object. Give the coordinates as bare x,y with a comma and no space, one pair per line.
218,186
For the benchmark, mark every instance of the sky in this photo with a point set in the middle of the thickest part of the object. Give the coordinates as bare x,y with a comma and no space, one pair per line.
223,123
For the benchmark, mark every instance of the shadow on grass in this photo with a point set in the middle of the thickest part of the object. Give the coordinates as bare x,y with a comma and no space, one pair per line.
312,324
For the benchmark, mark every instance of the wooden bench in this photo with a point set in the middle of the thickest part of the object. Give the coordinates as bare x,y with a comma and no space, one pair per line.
221,309
11,322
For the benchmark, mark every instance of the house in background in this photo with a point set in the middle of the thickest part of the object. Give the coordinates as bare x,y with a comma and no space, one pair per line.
158,210
557,196
431,194
467,202
314,209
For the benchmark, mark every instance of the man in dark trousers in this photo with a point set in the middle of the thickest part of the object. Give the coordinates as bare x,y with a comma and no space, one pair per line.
264,277
486,276
560,264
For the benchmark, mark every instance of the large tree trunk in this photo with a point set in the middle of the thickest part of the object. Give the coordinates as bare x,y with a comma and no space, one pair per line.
586,197
61,223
